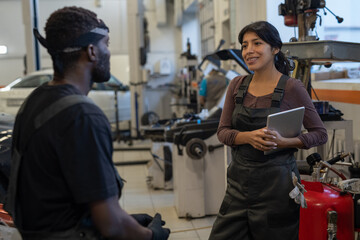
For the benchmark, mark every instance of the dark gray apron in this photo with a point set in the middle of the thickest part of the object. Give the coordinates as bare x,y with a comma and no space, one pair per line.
257,203
84,229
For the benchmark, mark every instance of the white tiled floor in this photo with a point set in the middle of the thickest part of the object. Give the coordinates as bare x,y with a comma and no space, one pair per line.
137,197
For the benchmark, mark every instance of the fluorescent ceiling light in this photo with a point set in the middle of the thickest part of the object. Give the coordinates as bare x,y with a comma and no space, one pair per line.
3,49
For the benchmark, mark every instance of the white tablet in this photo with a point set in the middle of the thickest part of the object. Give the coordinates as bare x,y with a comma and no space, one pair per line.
288,123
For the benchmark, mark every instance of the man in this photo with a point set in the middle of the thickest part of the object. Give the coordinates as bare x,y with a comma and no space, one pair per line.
63,183
212,88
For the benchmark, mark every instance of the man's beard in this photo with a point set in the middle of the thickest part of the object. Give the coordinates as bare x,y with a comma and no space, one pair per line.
101,73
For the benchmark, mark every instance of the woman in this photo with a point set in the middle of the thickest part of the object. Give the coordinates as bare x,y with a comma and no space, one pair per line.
257,203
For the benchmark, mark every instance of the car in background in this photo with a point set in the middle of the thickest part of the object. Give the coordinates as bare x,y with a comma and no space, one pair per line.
103,94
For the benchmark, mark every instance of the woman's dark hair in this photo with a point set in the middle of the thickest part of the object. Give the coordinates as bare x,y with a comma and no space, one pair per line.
63,27
270,35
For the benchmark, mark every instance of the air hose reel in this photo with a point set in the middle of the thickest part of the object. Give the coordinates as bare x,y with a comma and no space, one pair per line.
196,148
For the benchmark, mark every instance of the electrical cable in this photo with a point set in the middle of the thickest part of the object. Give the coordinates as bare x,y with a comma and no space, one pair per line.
317,98
331,148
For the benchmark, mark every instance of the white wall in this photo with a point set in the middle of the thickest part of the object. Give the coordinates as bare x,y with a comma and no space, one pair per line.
278,21
243,13
349,29
113,12
165,43
191,29
12,35
248,11
163,40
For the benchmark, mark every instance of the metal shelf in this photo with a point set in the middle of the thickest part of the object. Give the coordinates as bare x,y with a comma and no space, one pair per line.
323,50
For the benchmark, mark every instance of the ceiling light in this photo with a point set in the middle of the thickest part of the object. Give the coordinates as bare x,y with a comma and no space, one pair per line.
3,49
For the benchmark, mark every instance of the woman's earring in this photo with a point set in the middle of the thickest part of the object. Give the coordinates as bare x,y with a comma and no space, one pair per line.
276,58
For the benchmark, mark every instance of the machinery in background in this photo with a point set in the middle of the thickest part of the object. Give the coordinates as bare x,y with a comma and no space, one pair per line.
160,176
306,50
199,167
224,55
160,169
215,60
185,99
309,51
333,207
332,203
6,125
303,14
198,161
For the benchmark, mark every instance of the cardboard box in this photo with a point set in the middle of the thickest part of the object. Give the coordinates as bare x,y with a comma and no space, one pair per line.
328,75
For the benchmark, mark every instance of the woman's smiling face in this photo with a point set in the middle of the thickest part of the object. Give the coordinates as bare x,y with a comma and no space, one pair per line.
257,53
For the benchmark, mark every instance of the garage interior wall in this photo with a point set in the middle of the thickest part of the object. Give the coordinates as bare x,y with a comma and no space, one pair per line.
113,12
168,39
12,35
165,40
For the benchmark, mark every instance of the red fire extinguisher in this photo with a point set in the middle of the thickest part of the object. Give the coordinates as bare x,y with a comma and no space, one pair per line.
330,207
329,212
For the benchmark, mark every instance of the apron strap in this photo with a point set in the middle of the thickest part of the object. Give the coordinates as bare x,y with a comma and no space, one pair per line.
279,92
243,89
59,106
277,95
48,113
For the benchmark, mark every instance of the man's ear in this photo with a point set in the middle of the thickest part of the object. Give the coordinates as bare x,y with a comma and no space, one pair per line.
91,52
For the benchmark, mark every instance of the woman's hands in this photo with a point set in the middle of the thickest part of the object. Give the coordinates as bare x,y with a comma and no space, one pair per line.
283,142
263,139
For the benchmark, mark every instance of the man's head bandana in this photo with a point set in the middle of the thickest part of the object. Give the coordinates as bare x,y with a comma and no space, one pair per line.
91,37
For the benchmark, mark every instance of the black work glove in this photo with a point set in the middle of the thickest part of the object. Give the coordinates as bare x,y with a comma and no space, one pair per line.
144,219
159,233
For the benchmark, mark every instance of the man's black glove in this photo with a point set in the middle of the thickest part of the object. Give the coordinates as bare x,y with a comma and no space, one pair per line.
144,219
159,233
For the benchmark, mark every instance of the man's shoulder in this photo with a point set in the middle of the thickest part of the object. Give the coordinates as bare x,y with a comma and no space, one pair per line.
89,108
65,101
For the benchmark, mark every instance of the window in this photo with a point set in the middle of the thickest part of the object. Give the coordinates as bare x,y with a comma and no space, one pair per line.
112,84
33,81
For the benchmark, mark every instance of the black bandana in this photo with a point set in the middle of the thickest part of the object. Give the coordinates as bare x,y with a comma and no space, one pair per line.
91,37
